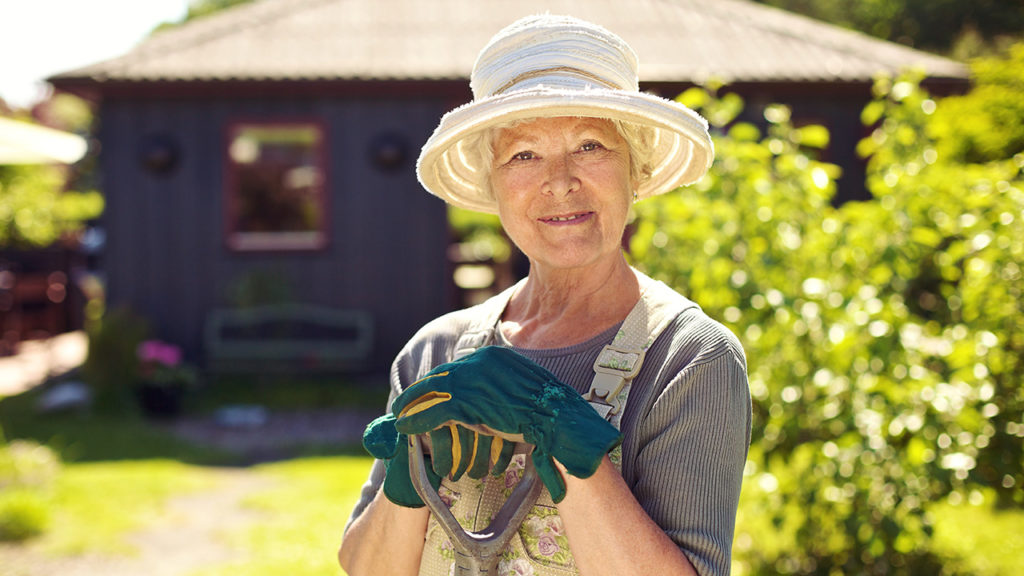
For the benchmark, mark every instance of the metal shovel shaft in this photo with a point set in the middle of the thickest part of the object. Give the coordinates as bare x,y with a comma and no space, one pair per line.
476,553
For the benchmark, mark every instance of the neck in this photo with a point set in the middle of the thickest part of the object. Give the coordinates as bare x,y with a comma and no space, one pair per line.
565,307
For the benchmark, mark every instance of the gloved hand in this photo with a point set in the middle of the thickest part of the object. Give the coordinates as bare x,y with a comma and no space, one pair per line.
504,391
457,450
384,442
454,450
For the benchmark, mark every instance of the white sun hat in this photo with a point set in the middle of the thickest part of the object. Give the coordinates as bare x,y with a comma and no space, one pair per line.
550,66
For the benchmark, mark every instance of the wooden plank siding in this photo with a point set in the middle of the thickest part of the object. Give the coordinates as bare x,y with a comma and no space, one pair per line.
166,255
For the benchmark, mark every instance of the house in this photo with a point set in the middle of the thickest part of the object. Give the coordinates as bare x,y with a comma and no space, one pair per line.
266,152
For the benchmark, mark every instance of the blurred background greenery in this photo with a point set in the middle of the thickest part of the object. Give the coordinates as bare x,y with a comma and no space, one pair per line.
884,338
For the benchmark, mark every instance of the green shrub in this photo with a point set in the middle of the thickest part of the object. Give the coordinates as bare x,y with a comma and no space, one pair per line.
111,365
24,514
27,474
884,338
27,464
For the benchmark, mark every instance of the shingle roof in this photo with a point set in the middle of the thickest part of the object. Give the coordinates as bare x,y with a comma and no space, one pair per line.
677,40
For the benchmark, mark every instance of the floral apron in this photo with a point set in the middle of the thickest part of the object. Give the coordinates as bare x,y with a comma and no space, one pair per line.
541,547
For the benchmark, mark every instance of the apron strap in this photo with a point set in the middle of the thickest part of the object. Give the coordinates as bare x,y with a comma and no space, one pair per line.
619,362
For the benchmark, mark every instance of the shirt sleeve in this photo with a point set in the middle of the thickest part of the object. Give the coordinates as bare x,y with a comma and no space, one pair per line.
689,465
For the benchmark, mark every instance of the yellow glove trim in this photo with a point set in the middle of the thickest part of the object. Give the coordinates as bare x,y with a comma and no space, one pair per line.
456,449
496,445
425,402
445,373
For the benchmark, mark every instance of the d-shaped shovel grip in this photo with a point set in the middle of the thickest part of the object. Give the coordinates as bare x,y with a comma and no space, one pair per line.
477,553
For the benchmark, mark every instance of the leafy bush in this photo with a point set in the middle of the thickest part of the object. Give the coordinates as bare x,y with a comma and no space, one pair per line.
23,515
995,109
35,210
884,338
112,365
27,473
25,463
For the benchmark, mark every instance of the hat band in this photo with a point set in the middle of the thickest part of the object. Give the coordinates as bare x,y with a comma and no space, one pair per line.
558,69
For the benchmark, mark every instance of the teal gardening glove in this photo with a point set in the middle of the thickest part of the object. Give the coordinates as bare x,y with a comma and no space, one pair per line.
384,442
455,450
507,392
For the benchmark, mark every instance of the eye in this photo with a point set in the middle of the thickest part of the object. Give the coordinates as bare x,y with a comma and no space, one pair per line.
590,146
524,155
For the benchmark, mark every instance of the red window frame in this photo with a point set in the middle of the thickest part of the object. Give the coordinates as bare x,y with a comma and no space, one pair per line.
276,172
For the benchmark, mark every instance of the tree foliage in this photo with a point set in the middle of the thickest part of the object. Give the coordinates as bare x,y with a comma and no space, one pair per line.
936,25
995,110
885,339
199,9
40,203
35,210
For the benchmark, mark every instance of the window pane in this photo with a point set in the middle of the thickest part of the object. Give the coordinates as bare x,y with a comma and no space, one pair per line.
275,187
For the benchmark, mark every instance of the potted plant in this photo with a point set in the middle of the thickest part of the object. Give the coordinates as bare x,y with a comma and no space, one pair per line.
163,378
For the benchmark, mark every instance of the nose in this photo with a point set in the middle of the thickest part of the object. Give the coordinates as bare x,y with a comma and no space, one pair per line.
561,176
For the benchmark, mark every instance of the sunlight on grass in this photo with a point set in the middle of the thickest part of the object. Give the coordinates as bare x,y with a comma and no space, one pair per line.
96,504
303,518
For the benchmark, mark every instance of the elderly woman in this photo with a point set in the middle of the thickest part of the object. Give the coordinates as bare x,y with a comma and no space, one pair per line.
559,142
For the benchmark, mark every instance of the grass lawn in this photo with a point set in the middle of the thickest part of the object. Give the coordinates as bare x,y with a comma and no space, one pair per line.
305,515
119,472
96,504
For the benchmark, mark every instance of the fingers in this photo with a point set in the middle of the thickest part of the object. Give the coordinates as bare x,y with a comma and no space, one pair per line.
501,455
381,438
463,450
549,475
481,455
398,486
457,449
441,451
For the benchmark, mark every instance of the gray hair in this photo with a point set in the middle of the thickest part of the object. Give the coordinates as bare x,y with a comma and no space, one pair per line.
639,139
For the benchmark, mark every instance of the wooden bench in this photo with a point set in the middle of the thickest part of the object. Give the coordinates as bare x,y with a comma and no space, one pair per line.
288,337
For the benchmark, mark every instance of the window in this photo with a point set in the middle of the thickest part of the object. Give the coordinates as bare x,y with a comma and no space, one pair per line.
275,191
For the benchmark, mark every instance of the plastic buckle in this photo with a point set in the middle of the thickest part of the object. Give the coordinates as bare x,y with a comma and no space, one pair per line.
612,369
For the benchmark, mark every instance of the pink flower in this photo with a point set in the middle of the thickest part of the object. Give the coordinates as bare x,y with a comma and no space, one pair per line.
512,477
554,524
535,525
447,496
515,567
547,546
159,353
515,470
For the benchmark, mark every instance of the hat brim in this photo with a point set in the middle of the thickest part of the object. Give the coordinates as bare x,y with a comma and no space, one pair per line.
682,153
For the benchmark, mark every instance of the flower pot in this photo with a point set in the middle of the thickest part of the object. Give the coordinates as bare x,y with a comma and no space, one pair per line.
160,401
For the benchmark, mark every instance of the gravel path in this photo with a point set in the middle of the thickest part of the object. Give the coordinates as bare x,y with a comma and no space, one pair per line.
277,435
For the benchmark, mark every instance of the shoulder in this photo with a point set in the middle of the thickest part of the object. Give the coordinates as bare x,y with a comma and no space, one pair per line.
692,337
703,338
691,332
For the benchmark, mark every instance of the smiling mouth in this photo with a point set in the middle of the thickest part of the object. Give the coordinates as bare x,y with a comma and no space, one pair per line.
567,218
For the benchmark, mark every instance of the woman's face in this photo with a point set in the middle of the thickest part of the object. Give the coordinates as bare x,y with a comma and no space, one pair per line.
563,189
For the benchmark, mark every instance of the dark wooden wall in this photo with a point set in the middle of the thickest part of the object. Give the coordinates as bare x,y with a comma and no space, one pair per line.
166,256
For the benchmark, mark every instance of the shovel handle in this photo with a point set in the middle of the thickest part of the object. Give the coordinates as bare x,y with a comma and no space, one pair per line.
477,553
